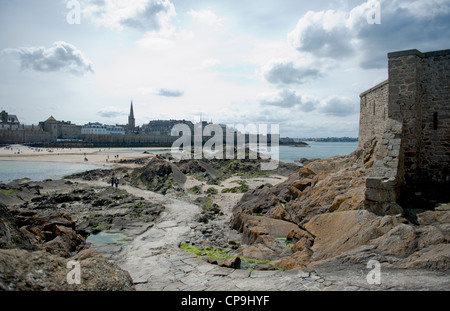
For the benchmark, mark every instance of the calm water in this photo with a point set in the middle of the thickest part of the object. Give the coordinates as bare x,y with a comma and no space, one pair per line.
320,150
38,171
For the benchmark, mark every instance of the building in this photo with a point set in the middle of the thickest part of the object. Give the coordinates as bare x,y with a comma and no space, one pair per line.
131,120
164,127
102,129
8,120
405,121
61,130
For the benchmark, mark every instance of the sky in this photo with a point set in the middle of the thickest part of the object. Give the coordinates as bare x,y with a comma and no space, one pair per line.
299,64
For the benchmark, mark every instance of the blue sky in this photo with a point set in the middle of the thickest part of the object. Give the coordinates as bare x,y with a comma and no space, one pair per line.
299,64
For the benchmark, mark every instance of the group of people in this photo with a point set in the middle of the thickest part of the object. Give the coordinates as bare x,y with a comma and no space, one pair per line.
114,181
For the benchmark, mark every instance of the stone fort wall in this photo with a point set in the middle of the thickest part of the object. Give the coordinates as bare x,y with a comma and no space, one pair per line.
408,118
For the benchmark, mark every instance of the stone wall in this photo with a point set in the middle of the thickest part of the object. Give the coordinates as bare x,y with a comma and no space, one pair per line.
24,136
373,113
69,131
129,140
413,131
435,153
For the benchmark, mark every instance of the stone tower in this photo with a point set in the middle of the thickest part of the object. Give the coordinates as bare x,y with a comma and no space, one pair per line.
407,118
131,120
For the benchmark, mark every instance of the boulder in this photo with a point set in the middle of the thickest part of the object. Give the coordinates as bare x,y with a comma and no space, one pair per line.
10,235
234,263
338,232
399,242
253,227
24,270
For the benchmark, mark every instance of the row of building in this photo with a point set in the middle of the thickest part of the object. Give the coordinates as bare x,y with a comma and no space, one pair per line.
156,132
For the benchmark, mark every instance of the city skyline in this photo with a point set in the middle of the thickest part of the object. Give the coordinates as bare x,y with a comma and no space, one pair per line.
299,64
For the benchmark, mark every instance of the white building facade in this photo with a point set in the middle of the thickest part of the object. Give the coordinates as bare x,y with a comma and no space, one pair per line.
102,129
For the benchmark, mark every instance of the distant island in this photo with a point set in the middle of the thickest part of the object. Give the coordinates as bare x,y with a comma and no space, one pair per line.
331,139
301,142
293,142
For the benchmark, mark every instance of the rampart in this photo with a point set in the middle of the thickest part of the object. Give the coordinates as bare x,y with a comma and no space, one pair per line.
406,120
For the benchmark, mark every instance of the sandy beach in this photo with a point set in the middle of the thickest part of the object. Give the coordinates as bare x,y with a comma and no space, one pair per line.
98,156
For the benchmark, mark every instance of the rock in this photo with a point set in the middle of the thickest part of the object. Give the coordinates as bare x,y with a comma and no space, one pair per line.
156,176
277,212
209,260
304,244
252,227
258,252
234,263
10,235
297,261
338,232
436,257
23,270
399,242
54,232
259,200
433,217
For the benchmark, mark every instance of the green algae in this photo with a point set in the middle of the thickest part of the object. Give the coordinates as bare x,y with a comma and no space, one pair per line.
218,254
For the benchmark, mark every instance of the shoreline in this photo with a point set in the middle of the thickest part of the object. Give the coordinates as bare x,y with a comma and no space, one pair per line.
110,157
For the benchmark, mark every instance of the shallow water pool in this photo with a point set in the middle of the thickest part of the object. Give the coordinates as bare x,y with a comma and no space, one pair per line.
105,237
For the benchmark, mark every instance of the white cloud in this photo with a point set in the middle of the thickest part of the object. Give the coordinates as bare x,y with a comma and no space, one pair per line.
61,56
145,15
206,17
210,62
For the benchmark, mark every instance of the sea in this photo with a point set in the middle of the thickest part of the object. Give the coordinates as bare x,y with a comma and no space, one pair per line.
39,171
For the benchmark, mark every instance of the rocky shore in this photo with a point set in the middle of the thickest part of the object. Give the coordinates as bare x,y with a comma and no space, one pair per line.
217,225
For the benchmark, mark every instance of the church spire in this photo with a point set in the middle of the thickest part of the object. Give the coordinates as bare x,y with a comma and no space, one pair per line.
131,110
131,120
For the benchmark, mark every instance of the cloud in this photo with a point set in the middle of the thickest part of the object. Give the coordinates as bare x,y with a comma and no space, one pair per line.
338,106
288,73
151,17
210,62
324,34
344,35
288,99
169,93
145,15
206,17
62,56
112,112
414,26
